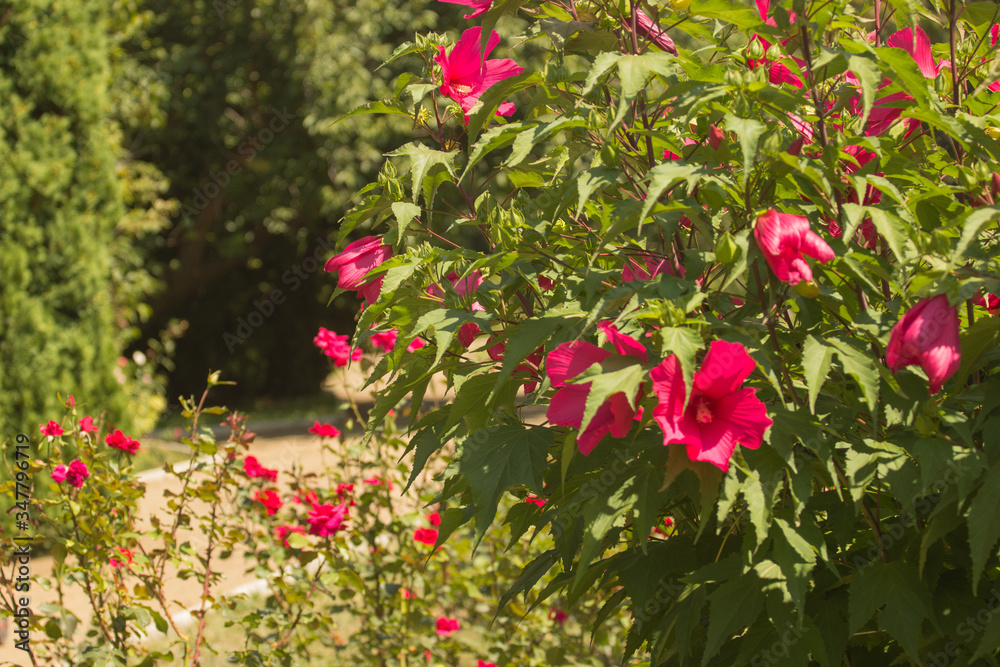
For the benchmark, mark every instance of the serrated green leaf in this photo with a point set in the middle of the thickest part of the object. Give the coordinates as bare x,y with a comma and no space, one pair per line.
816,360
426,162
865,67
405,212
497,458
898,588
734,606
861,367
602,387
749,131
972,223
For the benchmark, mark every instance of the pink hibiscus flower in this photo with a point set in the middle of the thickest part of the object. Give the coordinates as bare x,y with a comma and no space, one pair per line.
466,71
783,238
927,336
479,7
719,414
567,361
354,263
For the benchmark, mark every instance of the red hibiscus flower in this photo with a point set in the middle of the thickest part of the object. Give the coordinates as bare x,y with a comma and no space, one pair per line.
336,347
252,468
425,536
467,73
447,626
719,414
326,519
480,7
354,263
567,407
119,440
926,336
324,430
52,429
783,238
270,500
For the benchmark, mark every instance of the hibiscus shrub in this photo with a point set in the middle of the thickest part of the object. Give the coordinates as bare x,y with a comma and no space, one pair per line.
735,265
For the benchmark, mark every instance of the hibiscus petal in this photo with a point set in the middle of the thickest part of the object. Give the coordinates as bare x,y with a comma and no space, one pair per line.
567,406
622,414
623,343
669,387
570,359
918,46
498,70
725,368
746,415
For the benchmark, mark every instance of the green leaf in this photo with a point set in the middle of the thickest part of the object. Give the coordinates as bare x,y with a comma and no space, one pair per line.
735,605
380,106
425,162
686,344
862,368
750,131
625,380
598,178
405,212
497,458
984,523
475,399
816,359
528,336
972,223
898,588
297,541
599,515
530,575
865,67
892,229
532,134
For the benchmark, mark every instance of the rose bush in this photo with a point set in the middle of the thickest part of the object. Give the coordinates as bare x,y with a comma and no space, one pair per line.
782,219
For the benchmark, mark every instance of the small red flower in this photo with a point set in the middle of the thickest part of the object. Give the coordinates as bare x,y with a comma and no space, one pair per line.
59,473
991,302
483,663
425,536
76,473
326,519
337,347
534,500
447,626
324,430
119,440
304,496
253,469
270,500
87,424
558,615
114,562
434,518
52,429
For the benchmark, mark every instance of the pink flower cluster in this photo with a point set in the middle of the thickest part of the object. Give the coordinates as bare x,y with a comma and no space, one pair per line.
75,473
336,347
119,440
326,519
253,469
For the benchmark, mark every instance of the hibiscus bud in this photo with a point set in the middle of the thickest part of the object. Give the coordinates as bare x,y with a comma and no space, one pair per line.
995,185
755,50
808,289
783,239
646,26
993,132
354,263
774,52
927,336
715,136
796,146
679,5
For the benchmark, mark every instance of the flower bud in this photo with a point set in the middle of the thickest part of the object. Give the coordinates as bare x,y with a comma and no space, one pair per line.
927,336
774,52
993,132
755,50
796,146
995,185
679,5
715,136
